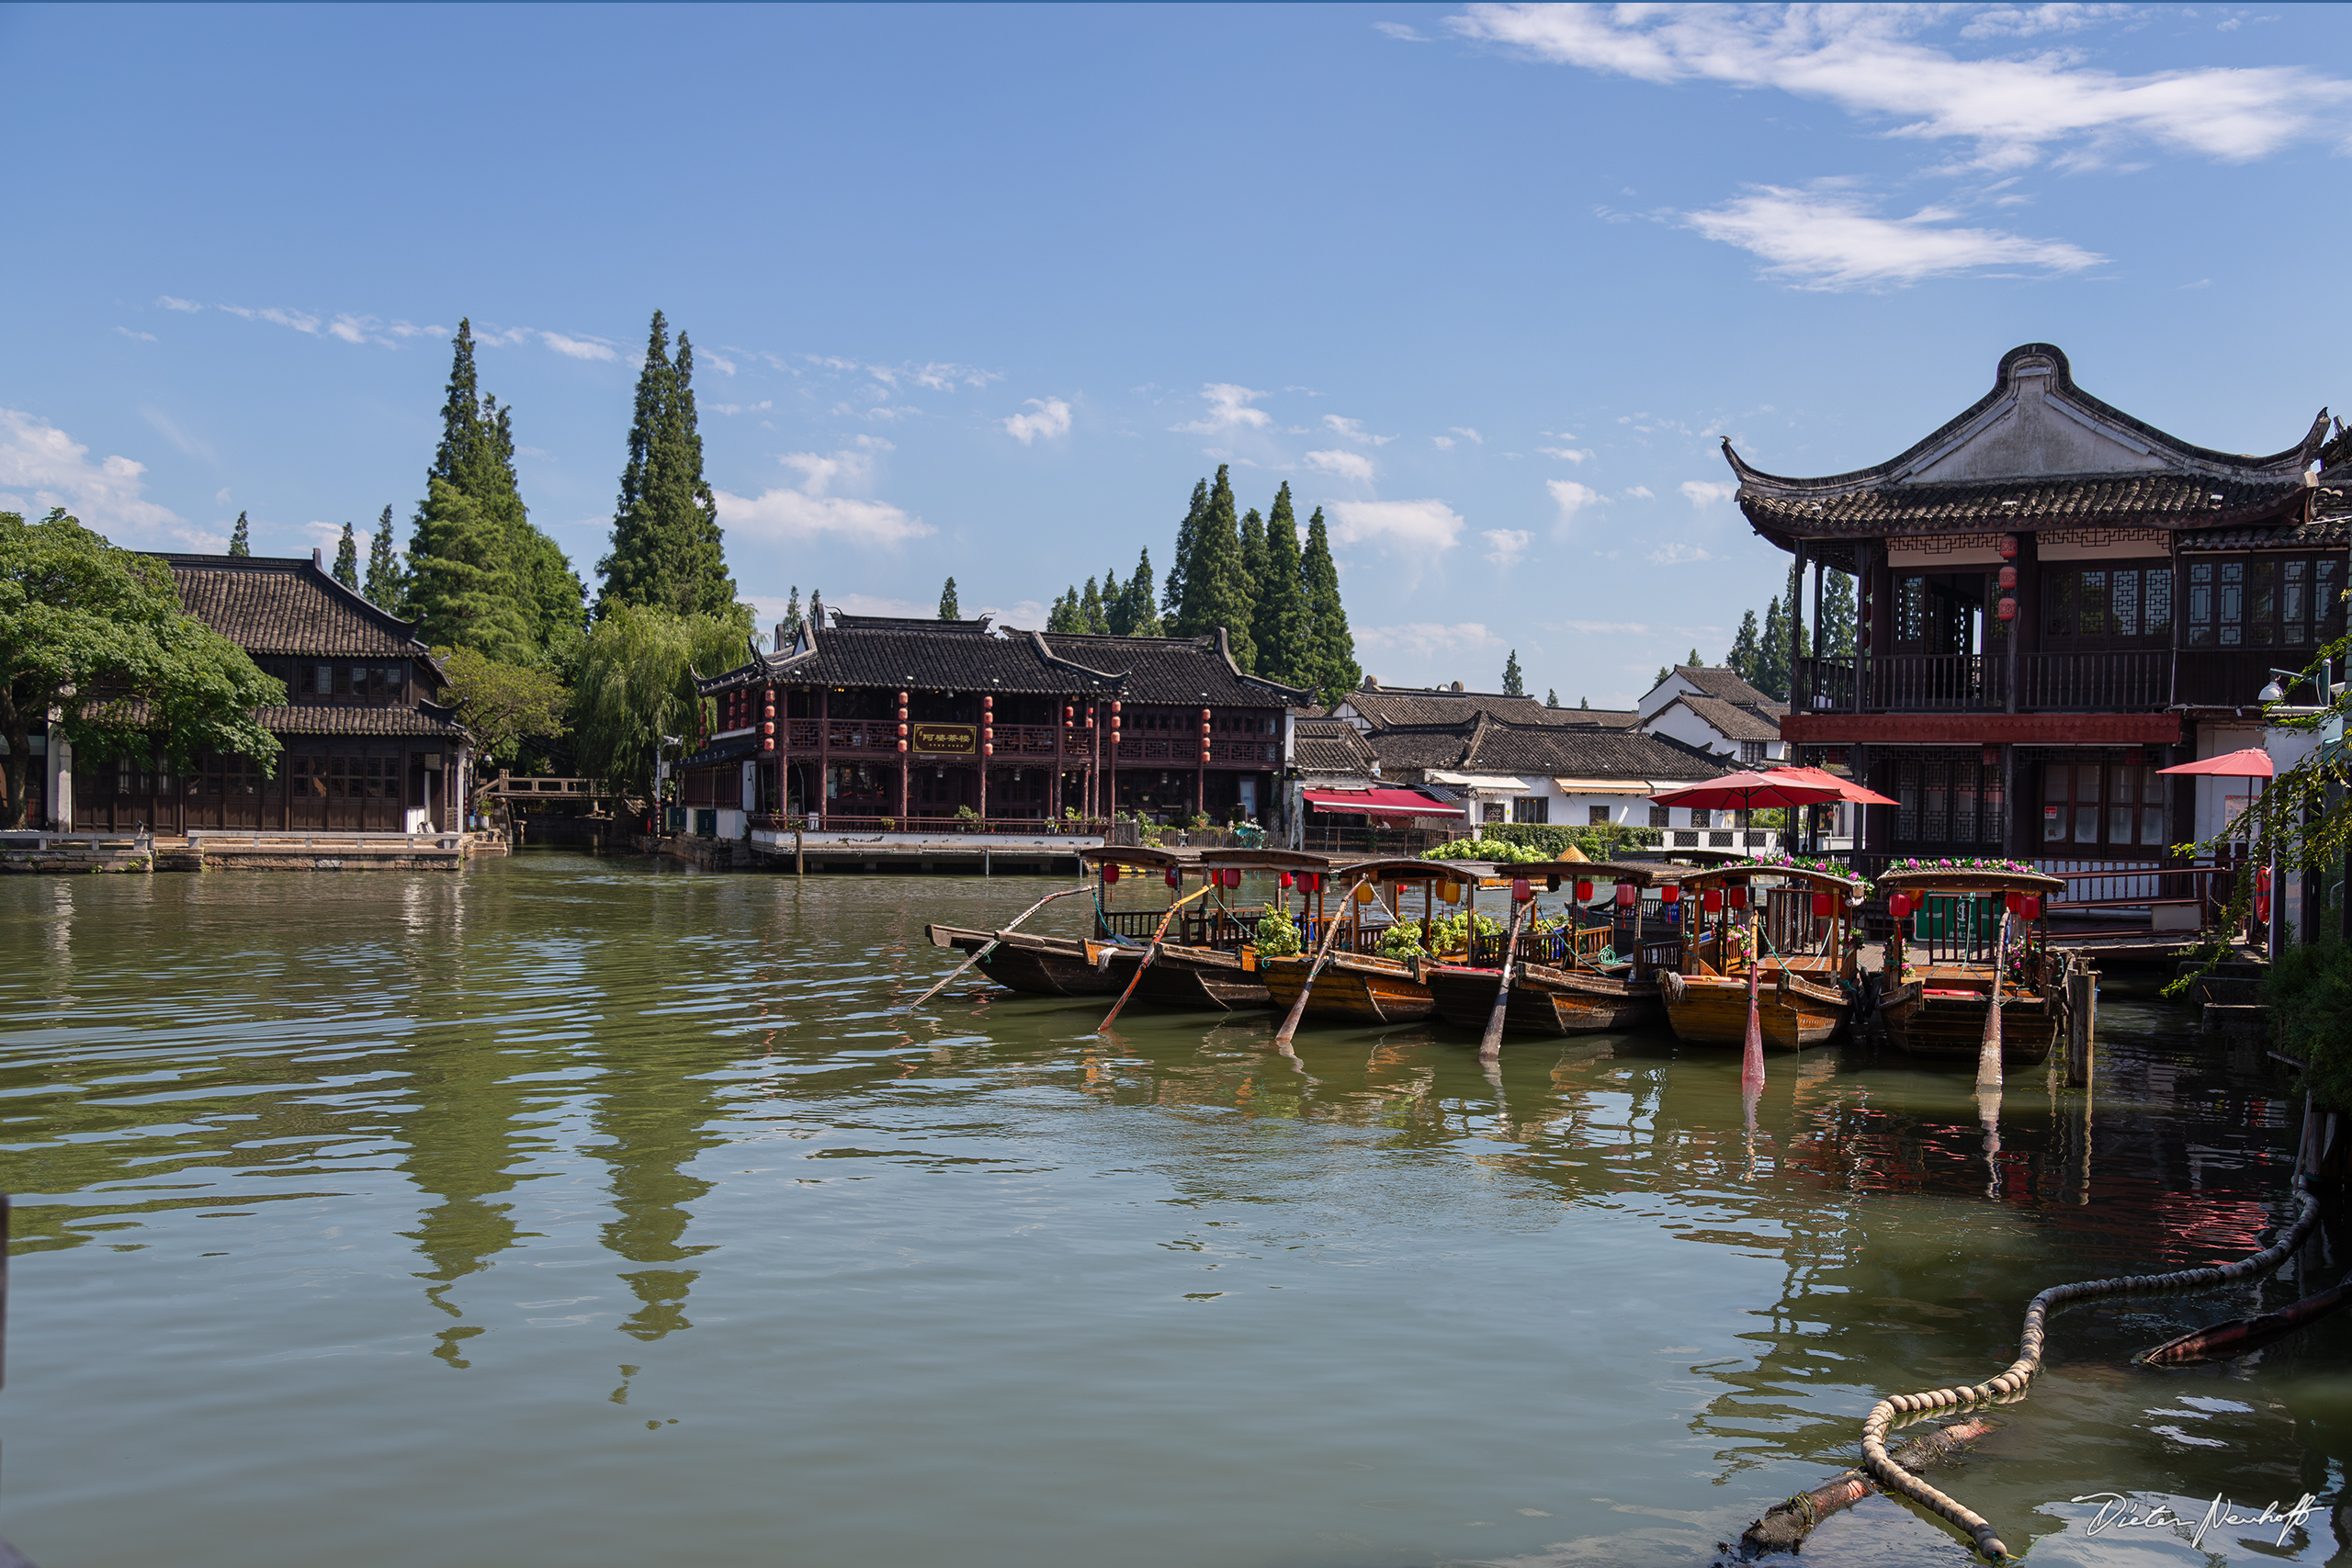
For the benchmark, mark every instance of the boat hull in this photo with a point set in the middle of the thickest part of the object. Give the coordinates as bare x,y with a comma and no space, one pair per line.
1544,1000
1352,988
1043,966
1712,1009
1943,1028
1199,979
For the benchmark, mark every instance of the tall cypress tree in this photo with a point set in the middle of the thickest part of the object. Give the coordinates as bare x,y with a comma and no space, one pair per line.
1771,676
1091,616
1137,612
1336,671
1741,659
1171,604
387,584
948,610
1253,574
666,539
238,544
1213,593
1837,616
346,559
1514,683
1283,629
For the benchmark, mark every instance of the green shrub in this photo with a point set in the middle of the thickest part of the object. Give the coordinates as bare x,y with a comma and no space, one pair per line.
1526,841
2310,997
1402,942
1277,935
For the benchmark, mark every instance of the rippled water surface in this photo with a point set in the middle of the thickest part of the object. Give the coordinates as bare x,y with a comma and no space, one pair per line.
575,1212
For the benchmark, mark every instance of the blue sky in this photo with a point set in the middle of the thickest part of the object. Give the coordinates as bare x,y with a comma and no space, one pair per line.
983,292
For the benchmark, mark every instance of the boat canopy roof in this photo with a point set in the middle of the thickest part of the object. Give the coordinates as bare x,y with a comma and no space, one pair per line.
1966,879
1592,871
1269,858
1149,855
1743,871
1398,869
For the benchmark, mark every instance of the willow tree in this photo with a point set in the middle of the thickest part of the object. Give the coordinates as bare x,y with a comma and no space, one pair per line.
634,682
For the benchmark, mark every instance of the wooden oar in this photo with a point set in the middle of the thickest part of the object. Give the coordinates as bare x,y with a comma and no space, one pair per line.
1988,1047
990,946
1147,957
1322,952
1491,1046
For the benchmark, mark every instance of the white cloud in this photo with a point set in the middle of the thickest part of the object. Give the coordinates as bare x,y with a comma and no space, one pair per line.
1703,492
1409,524
1228,407
1641,493
1827,238
1051,419
1572,498
1346,465
300,321
871,604
168,303
578,347
1867,60
808,512
1400,31
1354,431
189,446
1468,434
1505,546
763,406
720,362
1026,615
1570,453
1443,443
136,337
1427,639
41,467
1678,555
346,326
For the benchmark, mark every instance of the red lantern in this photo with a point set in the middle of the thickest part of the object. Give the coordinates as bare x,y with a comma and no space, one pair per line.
1626,894
1712,900
2008,579
1824,905
1669,893
1737,896
2033,906
1584,890
902,745
2009,546
1110,871
1286,881
768,728
1310,882
2262,879
2016,902
1175,877
2009,608
1898,905
987,749
2262,908
1521,891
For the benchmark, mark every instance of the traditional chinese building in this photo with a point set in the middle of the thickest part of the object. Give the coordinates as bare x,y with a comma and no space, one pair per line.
2057,600
367,747
876,723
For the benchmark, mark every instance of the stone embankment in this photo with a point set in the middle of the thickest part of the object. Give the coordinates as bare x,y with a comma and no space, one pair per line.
88,854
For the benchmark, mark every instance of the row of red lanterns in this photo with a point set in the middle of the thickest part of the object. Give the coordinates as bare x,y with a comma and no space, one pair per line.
2025,904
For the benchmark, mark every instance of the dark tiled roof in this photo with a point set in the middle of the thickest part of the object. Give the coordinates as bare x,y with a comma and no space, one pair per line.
1585,753
1408,749
1719,680
1172,670
2143,499
1387,705
907,623
1603,718
733,750
1737,721
286,604
301,718
1329,746
2321,533
957,656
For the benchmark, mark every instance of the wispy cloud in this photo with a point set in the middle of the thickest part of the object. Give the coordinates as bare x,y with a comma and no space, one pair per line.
1505,546
343,326
797,515
1353,430
1228,409
1346,465
188,446
136,337
1870,61
1678,555
1829,239
1051,419
1421,525
1427,639
1399,31
168,303
1572,498
578,347
1567,454
41,467
1707,492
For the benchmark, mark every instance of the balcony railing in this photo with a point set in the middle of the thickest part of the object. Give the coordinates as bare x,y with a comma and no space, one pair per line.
2102,681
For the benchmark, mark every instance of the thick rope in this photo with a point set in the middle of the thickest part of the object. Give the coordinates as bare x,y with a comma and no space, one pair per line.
2012,1383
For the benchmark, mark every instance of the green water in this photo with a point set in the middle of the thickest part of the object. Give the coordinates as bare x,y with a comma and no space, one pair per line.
572,1211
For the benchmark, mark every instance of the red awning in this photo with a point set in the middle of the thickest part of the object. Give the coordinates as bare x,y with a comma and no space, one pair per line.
1380,803
2253,762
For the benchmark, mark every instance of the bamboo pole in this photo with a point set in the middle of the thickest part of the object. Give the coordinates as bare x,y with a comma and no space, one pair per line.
1491,1045
1988,1047
990,946
1322,953
1137,979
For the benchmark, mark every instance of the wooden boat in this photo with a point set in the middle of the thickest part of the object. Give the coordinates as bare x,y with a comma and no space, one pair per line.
1801,974
1210,964
1567,982
1075,966
1935,1008
1355,984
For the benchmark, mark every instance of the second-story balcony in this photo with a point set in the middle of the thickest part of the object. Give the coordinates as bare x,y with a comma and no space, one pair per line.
2119,681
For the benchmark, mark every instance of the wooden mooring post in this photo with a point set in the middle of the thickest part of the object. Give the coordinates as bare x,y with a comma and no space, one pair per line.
2082,1022
799,856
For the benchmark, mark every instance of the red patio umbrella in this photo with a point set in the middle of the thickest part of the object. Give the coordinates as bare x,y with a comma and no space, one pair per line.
1846,788
1750,791
2253,762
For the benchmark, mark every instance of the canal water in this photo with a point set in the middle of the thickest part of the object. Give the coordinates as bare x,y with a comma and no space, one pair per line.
571,1211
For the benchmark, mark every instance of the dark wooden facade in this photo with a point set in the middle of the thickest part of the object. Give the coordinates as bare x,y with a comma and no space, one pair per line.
877,721
367,749
2150,586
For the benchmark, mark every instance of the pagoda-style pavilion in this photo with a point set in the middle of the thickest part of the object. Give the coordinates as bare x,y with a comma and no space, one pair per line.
2056,601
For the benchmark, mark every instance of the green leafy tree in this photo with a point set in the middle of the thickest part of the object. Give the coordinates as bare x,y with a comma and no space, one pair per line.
506,706
1091,617
1283,631
1744,652
1066,617
666,538
240,544
1253,577
1694,661
1584,703
1552,698
387,583
1215,595
1837,616
1336,669
1135,612
346,559
948,609
98,634
1514,683
1771,676
462,584
1663,671
1171,604
633,683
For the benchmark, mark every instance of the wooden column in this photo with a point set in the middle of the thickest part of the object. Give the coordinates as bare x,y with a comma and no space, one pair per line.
1796,622
1819,648
824,752
1865,606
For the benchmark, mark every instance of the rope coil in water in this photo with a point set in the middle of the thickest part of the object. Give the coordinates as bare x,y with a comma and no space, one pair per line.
1894,1478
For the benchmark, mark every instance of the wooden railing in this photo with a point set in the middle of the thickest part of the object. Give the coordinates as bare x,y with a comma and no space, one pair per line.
537,786
2098,680
843,822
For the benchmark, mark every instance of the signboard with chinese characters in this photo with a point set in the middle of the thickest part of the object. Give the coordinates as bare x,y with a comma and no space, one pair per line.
947,739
